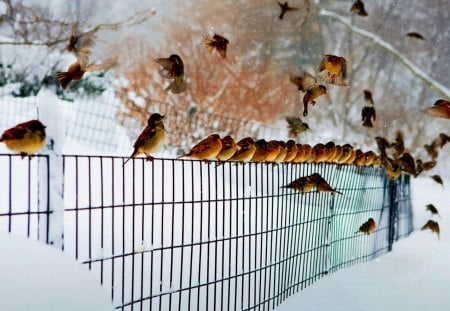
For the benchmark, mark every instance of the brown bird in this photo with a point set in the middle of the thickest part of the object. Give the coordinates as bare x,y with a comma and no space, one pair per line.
321,184
173,68
311,95
291,150
433,226
407,163
302,184
427,166
338,151
358,8
82,46
333,70
393,170
360,159
261,152
284,8
432,150
229,147
218,43
318,154
331,150
282,154
398,145
245,150
438,179
347,152
367,114
25,138
415,35
303,83
370,157
207,149
73,40
440,109
274,150
443,139
382,144
368,227
303,153
368,96
151,138
296,126
432,209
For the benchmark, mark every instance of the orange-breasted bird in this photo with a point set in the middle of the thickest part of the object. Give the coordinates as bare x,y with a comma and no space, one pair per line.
346,154
432,209
229,147
358,8
274,150
368,227
393,169
173,68
282,154
321,184
207,149
218,43
25,138
433,226
311,95
415,35
296,126
151,138
291,148
367,114
303,153
261,152
330,150
318,154
284,7
370,157
245,150
302,184
438,179
440,109
333,70
82,46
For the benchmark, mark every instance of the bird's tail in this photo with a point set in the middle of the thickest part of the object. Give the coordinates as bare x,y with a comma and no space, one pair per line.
176,87
64,78
367,122
208,44
132,155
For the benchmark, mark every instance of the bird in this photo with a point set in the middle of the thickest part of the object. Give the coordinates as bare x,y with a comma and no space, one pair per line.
302,184
308,84
425,166
382,144
207,149
358,8
432,149
393,169
228,149
73,39
303,153
338,151
218,43
351,159
245,150
318,154
368,227
433,226
296,126
360,158
274,150
321,184
407,163
284,8
368,96
81,46
440,109
291,150
398,145
333,70
346,154
151,138
311,95
331,150
282,154
261,152
303,83
25,138
367,114
173,68
438,179
415,35
370,157
432,209
443,139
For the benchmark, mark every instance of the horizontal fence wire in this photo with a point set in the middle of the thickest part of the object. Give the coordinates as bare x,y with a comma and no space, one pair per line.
24,202
187,235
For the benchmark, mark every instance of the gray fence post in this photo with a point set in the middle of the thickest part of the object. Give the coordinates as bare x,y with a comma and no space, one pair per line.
393,209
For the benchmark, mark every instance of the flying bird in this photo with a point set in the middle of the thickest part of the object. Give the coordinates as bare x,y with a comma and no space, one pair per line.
311,95
438,179
367,114
358,8
173,68
333,70
218,43
407,163
432,209
398,146
440,109
207,149
368,96
321,184
415,35
308,84
296,126
368,227
229,147
25,138
382,144
433,226
151,138
285,8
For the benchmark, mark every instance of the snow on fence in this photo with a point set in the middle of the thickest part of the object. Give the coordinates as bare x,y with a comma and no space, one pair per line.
186,235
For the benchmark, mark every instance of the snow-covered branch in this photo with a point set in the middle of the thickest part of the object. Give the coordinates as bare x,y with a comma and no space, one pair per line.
387,46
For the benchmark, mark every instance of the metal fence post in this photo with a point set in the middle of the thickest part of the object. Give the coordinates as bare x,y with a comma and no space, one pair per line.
393,209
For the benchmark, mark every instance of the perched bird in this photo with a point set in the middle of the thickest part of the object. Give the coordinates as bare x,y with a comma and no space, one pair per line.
229,147
318,154
367,114
351,159
433,226
438,179
274,150
261,152
358,8
291,150
25,138
440,109
303,153
311,95
432,209
217,43
296,126
151,138
415,35
302,184
368,227
331,150
368,96
82,47
333,70
393,169
282,154
173,68
338,151
346,154
398,145
407,163
245,150
370,157
284,8
207,149
321,184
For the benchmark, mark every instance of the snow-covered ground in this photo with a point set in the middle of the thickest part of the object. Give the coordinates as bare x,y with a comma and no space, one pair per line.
414,276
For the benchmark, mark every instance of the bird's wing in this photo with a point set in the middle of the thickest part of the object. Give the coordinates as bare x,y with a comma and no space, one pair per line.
168,70
308,81
202,146
109,63
323,63
147,133
84,50
297,80
16,132
438,111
